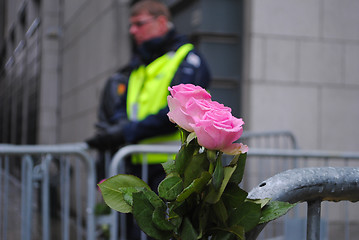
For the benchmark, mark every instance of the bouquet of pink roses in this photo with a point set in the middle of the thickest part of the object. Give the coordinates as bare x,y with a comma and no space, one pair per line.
200,197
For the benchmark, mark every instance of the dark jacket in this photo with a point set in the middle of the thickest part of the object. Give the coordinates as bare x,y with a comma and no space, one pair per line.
192,70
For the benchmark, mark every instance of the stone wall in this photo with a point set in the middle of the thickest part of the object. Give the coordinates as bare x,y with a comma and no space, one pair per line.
95,44
303,58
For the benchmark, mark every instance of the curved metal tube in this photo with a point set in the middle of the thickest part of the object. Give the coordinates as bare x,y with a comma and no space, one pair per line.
143,148
308,185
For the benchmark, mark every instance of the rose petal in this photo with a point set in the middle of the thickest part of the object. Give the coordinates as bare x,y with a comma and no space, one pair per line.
177,115
235,149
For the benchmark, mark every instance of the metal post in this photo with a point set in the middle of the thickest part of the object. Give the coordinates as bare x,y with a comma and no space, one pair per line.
108,158
46,224
79,214
65,190
313,222
5,199
145,179
26,197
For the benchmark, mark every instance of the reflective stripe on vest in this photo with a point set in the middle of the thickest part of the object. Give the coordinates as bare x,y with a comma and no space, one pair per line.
147,95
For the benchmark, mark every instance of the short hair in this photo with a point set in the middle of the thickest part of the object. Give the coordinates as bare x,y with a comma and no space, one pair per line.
153,7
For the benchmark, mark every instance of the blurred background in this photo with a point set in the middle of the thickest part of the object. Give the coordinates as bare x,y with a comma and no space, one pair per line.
279,64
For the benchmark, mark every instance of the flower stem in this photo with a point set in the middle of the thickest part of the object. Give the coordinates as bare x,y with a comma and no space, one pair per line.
211,168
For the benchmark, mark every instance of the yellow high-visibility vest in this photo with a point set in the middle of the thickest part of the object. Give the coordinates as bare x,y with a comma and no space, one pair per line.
147,95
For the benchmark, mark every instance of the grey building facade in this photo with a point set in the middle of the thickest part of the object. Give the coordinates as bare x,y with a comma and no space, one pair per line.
279,64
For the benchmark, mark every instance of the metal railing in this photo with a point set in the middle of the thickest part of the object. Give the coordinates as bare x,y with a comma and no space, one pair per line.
311,185
299,156
280,139
42,193
270,153
56,202
265,163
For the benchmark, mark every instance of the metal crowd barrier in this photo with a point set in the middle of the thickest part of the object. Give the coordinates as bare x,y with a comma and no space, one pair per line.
56,185
270,153
277,139
301,157
311,185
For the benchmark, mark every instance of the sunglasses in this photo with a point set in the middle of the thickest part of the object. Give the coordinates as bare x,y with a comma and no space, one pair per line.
141,23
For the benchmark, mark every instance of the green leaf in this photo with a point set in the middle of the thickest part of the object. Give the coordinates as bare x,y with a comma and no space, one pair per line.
196,186
188,231
180,208
170,188
203,216
196,166
233,232
184,156
175,219
240,161
160,220
221,212
127,193
143,212
218,174
117,191
233,196
223,235
154,199
246,215
190,137
213,195
238,231
169,167
274,210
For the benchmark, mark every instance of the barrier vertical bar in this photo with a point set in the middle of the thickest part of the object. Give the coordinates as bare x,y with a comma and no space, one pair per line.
26,197
46,224
23,200
65,197
78,201
145,179
6,198
121,216
91,186
108,158
1,196
313,220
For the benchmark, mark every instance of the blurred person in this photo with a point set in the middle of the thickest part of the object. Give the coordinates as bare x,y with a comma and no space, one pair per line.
137,110
133,106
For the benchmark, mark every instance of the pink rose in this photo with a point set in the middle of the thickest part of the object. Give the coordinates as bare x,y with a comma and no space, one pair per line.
182,104
187,113
192,109
218,130
183,92
178,114
196,106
